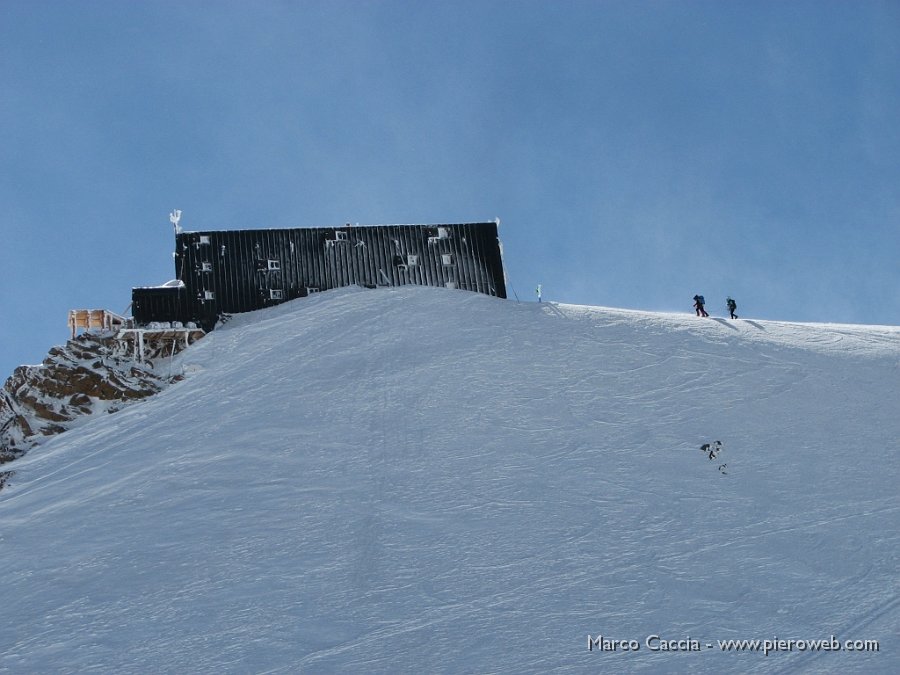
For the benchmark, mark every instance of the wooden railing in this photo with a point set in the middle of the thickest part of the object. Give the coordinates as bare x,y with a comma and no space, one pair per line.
95,319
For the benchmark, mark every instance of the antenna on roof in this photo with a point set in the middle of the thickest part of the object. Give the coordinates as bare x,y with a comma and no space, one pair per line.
174,218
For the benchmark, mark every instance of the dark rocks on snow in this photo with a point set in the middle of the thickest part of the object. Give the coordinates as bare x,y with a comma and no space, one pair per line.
91,373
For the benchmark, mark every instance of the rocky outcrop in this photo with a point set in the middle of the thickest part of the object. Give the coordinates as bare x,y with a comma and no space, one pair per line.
92,373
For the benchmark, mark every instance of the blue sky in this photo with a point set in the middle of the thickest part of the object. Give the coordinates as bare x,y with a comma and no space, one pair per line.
636,153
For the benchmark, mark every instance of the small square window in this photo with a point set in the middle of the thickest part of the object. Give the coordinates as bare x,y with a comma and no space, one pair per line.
311,289
412,260
340,235
206,267
274,265
204,239
276,294
447,258
443,233
209,295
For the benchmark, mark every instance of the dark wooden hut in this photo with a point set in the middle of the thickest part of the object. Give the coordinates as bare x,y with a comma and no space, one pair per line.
228,271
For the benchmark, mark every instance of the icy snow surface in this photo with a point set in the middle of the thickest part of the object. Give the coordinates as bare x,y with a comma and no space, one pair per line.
422,480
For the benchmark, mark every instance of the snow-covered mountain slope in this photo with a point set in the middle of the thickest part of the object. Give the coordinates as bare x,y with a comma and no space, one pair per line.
420,480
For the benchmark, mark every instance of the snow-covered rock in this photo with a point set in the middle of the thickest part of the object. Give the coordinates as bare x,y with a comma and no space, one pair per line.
92,372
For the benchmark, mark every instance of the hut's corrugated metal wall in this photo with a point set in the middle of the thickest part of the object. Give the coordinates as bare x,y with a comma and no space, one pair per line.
243,270
158,304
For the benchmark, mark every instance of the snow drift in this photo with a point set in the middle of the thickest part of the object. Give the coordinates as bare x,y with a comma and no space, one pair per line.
423,480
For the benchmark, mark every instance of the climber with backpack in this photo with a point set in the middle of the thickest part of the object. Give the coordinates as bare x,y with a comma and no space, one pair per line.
732,305
698,305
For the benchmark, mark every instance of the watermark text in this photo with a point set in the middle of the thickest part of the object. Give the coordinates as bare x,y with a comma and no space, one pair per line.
657,643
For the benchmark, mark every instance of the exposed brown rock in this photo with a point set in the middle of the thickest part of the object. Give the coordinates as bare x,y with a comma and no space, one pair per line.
41,401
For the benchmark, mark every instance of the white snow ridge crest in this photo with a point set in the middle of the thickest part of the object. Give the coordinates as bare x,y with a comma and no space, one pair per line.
425,480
